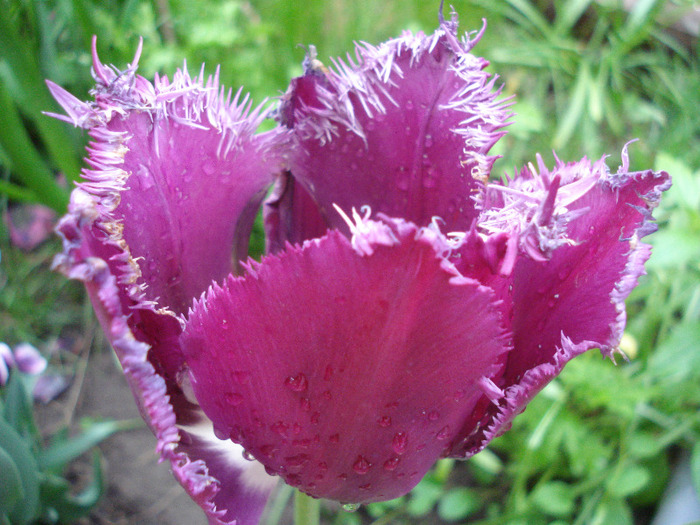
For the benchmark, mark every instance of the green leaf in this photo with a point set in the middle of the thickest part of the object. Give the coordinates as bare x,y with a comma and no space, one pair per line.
576,106
10,483
458,503
424,497
612,513
27,164
56,456
554,498
695,467
55,493
569,13
630,479
15,447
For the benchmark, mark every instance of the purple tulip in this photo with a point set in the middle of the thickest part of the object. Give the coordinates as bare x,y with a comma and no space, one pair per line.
407,309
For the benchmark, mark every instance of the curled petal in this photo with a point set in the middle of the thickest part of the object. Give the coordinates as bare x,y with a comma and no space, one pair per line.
404,127
569,297
345,372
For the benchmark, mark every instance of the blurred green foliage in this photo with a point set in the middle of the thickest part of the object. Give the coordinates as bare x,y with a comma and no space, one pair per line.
600,442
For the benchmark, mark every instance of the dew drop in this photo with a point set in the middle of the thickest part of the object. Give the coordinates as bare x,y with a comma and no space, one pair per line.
384,421
409,105
305,404
280,428
233,398
297,383
428,141
335,438
271,471
443,434
400,442
296,461
434,415
315,417
391,463
366,486
221,433
361,465
350,507
248,456
327,395
236,434
459,395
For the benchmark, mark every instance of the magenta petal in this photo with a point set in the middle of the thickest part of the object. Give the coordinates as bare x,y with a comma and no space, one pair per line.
581,256
404,127
346,375
179,175
176,182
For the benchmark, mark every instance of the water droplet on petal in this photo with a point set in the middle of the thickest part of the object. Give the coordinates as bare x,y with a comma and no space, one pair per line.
361,465
350,507
443,434
366,486
334,438
400,442
433,415
384,421
220,433
248,456
391,463
297,383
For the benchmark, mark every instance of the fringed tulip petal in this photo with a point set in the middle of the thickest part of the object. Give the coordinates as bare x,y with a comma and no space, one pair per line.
579,229
353,393
404,128
154,145
146,235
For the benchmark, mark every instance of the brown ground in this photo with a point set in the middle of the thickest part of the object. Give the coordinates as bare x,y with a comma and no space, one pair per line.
139,490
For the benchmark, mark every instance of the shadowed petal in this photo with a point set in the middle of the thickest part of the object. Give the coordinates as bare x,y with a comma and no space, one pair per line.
345,367
581,255
404,127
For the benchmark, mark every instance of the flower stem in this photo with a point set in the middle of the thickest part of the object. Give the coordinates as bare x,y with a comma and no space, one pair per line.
307,510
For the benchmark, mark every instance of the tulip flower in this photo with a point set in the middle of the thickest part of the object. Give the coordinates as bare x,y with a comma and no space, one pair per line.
407,309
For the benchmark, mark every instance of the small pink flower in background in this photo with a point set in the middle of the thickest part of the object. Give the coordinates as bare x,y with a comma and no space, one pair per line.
407,309
25,357
30,225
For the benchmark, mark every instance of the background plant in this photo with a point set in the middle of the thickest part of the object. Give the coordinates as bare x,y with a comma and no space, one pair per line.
599,444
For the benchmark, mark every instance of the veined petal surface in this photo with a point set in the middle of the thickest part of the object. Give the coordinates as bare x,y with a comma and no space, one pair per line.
345,370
